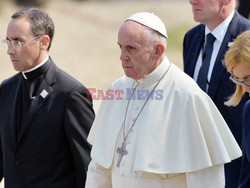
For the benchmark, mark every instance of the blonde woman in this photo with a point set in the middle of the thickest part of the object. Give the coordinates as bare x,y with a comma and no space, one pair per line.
237,61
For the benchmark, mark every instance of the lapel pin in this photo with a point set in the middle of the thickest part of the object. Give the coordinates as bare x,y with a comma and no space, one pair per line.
44,93
230,44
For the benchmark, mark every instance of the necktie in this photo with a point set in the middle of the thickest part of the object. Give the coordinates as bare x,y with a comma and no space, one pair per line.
206,56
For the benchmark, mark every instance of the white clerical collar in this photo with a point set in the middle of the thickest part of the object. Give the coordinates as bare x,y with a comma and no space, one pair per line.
220,31
36,67
156,74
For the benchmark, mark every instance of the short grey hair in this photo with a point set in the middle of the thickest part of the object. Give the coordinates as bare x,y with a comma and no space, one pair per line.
155,36
40,22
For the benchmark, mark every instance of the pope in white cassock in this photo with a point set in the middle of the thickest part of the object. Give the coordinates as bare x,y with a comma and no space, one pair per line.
163,131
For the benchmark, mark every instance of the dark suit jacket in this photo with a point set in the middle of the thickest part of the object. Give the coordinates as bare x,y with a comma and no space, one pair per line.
51,149
245,172
220,87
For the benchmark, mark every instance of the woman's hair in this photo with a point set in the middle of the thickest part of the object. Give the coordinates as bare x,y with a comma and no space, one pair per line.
239,52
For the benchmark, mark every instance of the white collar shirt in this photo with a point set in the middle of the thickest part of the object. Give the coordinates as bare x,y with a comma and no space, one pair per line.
219,33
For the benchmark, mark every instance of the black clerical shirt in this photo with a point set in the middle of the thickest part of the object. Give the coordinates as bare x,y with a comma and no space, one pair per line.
30,88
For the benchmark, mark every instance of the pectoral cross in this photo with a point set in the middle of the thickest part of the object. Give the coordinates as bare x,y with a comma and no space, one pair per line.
122,151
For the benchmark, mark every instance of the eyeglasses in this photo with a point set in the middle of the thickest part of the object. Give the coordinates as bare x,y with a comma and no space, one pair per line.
240,82
16,44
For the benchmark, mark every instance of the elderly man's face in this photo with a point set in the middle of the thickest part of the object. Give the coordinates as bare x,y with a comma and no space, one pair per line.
137,51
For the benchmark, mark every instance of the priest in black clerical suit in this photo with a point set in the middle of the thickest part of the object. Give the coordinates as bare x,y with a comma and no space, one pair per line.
45,115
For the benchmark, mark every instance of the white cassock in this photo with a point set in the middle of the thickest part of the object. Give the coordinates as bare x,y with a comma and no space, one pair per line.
179,140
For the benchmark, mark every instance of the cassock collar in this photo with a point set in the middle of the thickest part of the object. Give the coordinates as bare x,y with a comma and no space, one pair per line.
156,75
37,71
186,122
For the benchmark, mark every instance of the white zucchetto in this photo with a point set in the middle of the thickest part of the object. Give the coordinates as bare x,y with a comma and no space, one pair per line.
149,20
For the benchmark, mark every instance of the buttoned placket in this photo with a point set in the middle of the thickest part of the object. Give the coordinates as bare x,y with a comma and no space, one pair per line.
133,110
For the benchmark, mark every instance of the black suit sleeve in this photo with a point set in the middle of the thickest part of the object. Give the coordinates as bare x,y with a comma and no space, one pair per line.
1,162
78,118
1,154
